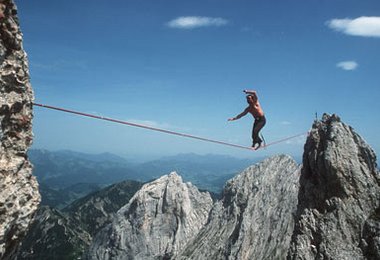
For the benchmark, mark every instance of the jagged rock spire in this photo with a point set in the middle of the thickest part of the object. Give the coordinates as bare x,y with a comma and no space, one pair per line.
339,196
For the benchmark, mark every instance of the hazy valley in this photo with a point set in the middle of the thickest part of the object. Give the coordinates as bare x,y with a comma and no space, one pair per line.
65,176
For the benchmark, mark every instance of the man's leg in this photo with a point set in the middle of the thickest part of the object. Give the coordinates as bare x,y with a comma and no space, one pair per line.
257,126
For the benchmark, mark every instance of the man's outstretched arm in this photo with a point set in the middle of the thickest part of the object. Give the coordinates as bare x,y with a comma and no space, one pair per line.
239,115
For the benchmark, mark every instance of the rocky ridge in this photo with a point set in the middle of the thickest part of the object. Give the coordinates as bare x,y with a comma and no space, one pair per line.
19,195
66,234
254,218
327,208
53,235
98,209
156,223
339,197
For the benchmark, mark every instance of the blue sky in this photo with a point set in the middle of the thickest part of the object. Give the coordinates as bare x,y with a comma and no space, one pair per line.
182,65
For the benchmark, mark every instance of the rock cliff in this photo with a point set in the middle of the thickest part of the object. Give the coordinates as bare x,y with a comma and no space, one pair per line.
157,222
338,212
254,219
19,195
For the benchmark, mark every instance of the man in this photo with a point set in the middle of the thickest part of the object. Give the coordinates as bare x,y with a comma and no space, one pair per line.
257,112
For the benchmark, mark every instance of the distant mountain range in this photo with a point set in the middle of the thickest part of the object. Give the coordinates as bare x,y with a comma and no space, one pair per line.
208,172
62,169
65,176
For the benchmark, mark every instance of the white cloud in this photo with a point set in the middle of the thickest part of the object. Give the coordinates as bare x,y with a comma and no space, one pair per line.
347,65
367,26
190,22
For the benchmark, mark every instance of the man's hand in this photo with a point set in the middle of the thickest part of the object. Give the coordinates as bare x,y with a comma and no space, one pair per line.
231,119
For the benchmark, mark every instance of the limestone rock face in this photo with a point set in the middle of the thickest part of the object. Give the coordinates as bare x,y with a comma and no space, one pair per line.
156,223
338,213
254,219
19,195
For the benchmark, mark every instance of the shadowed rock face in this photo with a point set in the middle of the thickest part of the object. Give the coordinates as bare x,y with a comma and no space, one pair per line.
68,234
157,222
338,211
254,219
53,235
19,195
96,210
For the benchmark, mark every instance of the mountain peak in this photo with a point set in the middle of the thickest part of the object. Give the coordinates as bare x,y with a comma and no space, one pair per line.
337,161
174,176
158,221
339,195
253,220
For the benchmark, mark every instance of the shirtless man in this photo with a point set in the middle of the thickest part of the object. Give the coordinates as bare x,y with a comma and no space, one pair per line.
257,112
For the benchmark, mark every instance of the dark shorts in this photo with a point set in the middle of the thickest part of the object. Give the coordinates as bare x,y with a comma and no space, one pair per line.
257,126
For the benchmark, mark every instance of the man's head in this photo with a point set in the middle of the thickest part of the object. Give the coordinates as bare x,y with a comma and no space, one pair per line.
251,99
